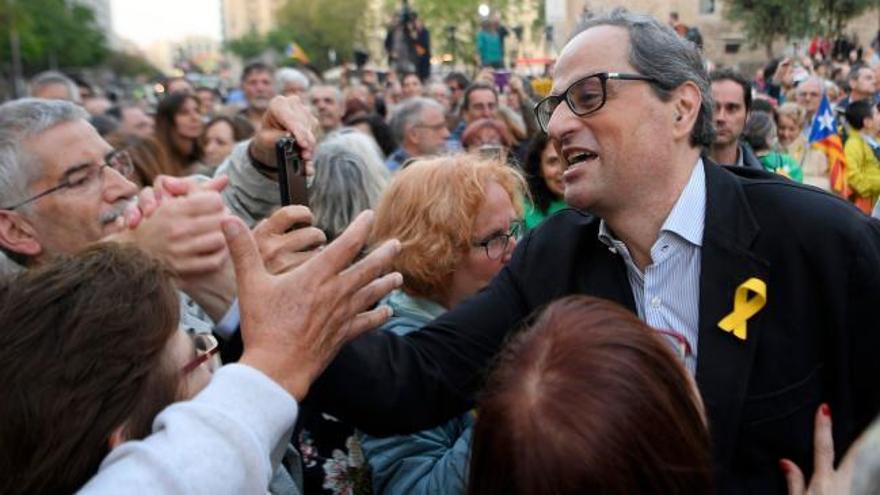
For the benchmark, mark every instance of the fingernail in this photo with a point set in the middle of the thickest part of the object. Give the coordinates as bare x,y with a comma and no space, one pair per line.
826,410
398,279
231,228
397,245
783,465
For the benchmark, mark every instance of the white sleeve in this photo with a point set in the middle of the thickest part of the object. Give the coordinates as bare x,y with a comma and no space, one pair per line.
218,442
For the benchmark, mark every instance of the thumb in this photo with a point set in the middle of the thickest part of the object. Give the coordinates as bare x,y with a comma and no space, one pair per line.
216,184
175,186
244,253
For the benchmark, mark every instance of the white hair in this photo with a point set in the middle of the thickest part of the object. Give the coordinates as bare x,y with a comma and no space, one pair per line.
349,178
50,77
288,75
20,120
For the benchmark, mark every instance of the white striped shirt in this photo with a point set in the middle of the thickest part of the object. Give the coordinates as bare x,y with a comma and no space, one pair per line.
667,294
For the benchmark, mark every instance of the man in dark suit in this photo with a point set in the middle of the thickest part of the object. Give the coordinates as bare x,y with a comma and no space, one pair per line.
773,285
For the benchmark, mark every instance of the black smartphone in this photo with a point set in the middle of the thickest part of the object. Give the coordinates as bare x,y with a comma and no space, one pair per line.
291,173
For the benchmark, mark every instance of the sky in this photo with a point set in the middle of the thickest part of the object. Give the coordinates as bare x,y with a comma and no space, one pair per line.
147,21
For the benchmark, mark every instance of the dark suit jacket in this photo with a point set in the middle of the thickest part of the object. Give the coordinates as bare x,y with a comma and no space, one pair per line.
815,340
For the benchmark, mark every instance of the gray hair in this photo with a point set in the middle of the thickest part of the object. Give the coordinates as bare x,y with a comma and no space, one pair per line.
20,120
336,91
290,75
408,114
760,131
657,51
363,145
51,77
345,184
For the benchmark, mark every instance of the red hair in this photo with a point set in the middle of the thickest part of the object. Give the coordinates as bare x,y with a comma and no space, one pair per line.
589,400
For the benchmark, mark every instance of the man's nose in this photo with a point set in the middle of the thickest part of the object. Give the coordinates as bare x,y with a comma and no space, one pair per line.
116,186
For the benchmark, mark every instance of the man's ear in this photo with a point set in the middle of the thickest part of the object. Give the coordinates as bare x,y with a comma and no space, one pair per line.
118,437
687,99
18,235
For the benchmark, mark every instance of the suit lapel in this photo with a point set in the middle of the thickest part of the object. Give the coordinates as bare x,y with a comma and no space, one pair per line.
724,361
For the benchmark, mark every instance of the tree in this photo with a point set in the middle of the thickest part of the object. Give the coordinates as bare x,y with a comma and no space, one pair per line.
765,21
321,26
248,46
53,34
836,13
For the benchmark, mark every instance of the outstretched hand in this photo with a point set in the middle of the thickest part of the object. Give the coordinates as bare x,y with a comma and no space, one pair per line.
294,323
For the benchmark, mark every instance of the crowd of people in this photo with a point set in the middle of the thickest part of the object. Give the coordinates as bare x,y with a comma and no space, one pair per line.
655,278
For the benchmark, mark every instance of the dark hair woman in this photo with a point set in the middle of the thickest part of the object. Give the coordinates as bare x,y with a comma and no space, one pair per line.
543,170
178,129
590,400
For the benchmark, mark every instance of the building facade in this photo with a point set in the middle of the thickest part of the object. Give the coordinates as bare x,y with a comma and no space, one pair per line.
240,17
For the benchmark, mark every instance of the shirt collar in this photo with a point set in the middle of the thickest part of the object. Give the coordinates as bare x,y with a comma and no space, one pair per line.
687,217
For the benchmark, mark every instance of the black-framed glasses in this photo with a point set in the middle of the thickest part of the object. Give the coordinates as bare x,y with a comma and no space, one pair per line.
86,176
497,245
584,96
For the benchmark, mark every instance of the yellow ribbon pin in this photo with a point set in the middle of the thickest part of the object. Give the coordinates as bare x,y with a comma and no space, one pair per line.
744,307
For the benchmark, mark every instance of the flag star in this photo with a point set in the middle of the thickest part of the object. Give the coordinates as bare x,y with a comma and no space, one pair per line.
826,121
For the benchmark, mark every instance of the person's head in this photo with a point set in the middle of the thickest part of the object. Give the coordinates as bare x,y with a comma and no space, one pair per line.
662,79
862,83
862,116
456,218
457,83
411,85
589,400
484,134
54,85
91,352
673,18
419,126
179,126
257,83
374,126
361,94
480,101
440,93
789,122
346,182
208,99
328,106
220,136
732,95
292,82
97,105
177,85
133,120
147,156
57,194
808,95
543,169
760,132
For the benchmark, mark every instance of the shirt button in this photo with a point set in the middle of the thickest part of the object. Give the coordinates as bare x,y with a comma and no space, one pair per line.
655,302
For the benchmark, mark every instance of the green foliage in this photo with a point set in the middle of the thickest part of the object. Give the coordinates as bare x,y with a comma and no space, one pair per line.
248,46
321,26
53,33
129,65
766,21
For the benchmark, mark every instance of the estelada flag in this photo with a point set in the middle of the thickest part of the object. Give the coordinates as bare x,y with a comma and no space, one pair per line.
823,136
296,52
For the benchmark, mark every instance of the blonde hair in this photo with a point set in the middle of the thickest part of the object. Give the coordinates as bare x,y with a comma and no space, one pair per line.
791,111
430,206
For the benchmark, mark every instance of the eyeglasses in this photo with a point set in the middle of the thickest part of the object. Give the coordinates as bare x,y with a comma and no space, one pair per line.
206,346
497,245
85,177
584,96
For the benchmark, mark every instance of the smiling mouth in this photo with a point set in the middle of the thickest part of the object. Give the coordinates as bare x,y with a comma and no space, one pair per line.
580,157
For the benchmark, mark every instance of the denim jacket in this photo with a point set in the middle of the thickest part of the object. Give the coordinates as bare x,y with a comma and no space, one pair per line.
430,461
